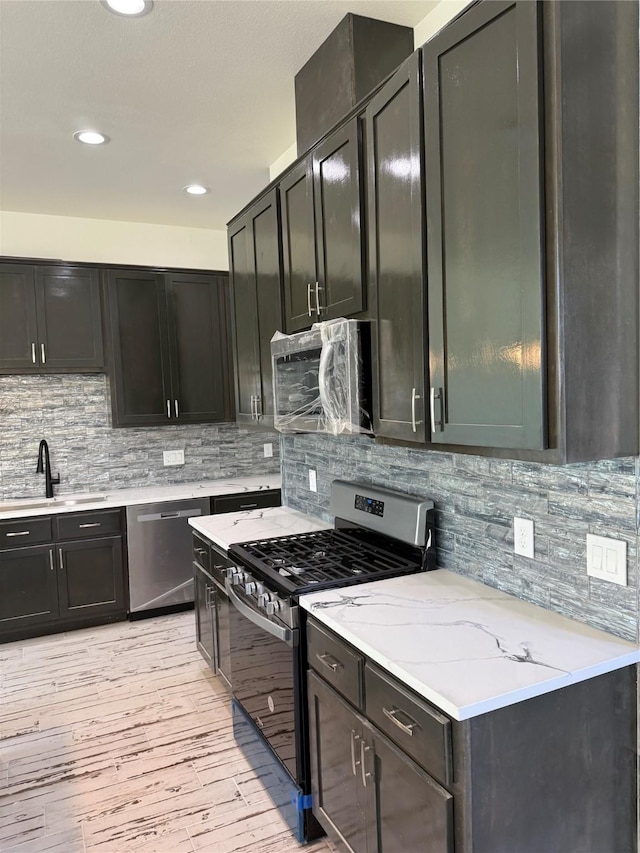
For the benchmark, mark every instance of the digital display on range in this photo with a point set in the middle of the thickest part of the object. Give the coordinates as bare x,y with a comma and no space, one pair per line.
369,505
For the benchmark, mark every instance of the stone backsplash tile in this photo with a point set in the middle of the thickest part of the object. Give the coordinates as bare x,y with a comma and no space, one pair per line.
73,413
476,499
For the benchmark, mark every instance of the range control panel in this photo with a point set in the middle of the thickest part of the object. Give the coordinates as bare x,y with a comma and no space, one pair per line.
369,505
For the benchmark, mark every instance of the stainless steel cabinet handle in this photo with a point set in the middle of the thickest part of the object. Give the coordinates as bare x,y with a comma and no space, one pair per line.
354,763
407,728
61,560
414,397
318,309
258,401
43,354
309,299
168,408
329,661
363,749
51,559
253,407
247,506
19,533
433,396
176,409
33,354
90,524
200,550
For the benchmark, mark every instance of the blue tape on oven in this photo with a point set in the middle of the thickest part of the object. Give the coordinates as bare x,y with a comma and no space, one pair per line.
301,801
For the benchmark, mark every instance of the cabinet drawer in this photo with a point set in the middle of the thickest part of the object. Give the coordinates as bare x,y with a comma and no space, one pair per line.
78,525
25,531
250,500
420,730
201,552
336,663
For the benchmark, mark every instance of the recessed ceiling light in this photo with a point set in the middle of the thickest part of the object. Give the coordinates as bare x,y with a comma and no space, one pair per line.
130,8
90,137
196,189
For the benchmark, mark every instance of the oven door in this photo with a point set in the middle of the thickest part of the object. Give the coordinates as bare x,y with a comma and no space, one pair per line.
263,663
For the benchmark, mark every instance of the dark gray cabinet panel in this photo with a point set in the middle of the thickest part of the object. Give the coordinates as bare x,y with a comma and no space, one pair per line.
204,606
299,247
18,331
256,281
396,264
168,335
483,161
69,318
198,347
28,587
90,577
337,190
50,319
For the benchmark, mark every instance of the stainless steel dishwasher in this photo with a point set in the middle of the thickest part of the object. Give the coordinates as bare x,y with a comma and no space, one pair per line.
160,553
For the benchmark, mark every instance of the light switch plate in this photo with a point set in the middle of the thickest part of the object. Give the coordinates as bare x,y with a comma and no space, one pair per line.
607,559
313,481
268,450
523,539
173,457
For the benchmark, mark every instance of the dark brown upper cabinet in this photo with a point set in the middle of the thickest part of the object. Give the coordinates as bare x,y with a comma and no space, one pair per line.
321,200
169,350
50,319
531,180
396,257
255,264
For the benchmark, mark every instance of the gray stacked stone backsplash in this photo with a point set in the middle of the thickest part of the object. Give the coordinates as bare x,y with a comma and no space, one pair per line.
476,499
73,412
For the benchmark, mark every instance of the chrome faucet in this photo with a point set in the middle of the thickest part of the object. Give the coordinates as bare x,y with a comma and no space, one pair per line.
43,451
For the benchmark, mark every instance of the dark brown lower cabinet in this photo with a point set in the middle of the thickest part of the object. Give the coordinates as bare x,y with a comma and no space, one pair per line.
366,790
90,577
28,587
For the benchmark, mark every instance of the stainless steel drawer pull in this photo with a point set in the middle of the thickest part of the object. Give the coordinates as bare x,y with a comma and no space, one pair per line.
329,661
414,397
61,559
33,354
248,506
168,408
51,559
318,309
407,728
200,551
433,396
364,749
19,533
42,354
90,524
354,763
309,312
176,408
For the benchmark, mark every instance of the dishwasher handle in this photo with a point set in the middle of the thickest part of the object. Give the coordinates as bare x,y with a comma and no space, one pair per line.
169,514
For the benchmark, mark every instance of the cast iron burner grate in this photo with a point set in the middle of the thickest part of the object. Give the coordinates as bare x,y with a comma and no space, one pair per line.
327,558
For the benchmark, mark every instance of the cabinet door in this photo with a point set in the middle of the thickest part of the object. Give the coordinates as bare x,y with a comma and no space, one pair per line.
204,588
197,312
483,141
90,577
337,192
28,587
267,265
69,318
298,247
18,332
396,265
140,379
246,345
335,732
412,812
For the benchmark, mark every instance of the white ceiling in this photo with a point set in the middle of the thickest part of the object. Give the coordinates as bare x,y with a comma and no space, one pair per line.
197,91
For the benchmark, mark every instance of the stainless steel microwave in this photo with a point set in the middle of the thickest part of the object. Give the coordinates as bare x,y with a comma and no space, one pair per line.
322,379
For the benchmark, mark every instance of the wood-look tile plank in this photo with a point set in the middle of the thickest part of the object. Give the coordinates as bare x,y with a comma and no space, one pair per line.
15,725
175,842
18,825
68,841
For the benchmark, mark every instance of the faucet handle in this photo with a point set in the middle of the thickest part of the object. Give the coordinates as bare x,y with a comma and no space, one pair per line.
55,481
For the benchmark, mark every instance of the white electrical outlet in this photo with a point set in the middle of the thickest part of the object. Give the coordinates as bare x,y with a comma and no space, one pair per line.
173,457
313,481
268,450
607,559
523,543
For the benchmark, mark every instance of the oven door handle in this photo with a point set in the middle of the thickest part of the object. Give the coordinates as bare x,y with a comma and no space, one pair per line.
280,633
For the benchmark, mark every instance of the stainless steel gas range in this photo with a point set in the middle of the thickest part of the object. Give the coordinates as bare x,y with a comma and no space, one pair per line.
378,534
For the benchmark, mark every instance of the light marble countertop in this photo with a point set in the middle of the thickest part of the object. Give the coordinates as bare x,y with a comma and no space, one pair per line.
253,524
466,647
129,497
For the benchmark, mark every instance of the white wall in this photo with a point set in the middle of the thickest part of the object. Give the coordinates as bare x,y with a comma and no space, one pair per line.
437,18
284,160
106,241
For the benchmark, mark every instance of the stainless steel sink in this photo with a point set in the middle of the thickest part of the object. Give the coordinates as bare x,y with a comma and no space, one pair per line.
63,500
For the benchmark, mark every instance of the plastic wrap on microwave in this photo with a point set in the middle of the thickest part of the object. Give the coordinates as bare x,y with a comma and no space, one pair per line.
321,379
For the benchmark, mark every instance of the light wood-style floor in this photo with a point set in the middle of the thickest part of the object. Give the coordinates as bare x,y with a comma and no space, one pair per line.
118,739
